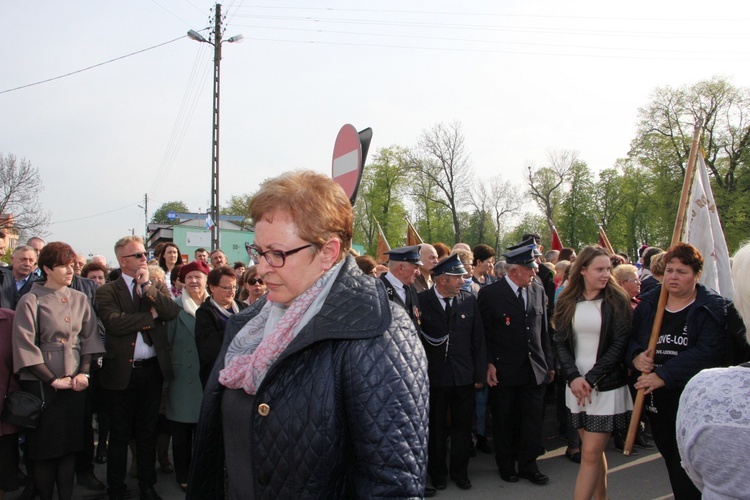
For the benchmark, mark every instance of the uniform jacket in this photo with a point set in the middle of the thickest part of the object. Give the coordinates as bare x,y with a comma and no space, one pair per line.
706,332
609,371
123,322
516,337
547,279
462,360
184,392
66,327
412,305
209,335
348,404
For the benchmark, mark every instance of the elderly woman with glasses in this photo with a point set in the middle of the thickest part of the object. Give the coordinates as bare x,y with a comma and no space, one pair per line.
211,317
626,275
321,389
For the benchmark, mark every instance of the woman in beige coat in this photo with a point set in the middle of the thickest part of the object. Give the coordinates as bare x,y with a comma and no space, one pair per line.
54,339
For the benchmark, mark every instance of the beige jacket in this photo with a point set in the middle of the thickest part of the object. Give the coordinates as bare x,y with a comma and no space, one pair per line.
67,330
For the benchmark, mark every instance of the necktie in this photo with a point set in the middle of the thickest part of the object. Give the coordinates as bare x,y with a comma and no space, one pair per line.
447,307
520,298
137,301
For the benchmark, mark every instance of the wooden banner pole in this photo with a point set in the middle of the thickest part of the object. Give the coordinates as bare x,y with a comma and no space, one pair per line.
656,328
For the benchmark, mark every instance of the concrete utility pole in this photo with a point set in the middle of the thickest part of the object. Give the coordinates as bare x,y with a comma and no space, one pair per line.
215,138
216,35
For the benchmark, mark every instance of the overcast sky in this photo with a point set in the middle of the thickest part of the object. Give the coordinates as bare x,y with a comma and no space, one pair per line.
523,77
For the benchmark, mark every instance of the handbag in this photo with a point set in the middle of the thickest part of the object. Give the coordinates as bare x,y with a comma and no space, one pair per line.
22,408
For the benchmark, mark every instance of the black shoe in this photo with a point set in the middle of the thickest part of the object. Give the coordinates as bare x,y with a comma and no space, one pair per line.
440,484
573,457
150,494
482,445
28,493
116,496
464,484
429,492
89,481
641,441
509,476
535,477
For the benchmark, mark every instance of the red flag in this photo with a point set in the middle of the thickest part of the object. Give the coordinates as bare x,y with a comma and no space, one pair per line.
556,243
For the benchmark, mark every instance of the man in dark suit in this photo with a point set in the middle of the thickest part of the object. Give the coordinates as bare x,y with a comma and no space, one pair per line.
514,313
453,338
403,269
134,311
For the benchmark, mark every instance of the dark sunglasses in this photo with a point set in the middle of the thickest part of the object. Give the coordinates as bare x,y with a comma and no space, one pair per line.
137,255
253,281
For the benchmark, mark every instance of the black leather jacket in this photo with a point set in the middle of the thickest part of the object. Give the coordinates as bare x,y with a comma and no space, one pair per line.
609,371
348,404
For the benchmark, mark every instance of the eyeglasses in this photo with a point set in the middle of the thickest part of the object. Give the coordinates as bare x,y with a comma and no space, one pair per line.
275,258
138,255
229,288
253,281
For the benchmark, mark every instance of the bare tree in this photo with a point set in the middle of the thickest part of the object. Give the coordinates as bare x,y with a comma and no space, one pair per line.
445,162
506,201
19,196
546,184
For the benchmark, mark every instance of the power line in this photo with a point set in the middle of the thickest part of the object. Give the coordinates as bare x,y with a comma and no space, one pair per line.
471,40
95,215
91,67
494,14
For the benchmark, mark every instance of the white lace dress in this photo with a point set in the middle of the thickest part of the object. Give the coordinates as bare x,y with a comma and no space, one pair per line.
713,431
608,410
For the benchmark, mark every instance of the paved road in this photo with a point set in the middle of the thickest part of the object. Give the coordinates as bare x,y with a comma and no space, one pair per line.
639,477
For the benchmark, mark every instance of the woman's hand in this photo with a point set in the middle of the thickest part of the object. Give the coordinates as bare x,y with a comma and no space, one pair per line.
644,362
63,383
80,382
581,390
649,383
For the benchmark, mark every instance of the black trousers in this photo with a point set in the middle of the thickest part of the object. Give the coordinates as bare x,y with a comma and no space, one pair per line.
182,448
517,426
85,457
665,437
134,410
460,400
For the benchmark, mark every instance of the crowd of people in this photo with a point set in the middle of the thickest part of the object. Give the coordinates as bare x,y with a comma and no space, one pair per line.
310,371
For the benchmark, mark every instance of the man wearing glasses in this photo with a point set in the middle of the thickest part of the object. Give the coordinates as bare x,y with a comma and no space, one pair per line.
134,312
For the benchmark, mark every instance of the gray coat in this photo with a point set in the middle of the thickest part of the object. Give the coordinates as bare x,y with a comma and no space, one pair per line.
184,392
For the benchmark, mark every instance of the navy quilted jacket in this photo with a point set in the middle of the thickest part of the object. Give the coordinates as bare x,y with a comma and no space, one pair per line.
348,405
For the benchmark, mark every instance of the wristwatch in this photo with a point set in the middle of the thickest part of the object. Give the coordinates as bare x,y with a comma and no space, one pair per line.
144,285
87,375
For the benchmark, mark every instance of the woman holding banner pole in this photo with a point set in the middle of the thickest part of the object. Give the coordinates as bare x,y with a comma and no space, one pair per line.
691,338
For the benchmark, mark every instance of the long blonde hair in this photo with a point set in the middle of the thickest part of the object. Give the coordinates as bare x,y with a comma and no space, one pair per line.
613,294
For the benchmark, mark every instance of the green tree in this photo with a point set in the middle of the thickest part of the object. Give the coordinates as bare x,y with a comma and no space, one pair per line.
238,204
547,184
160,215
577,220
381,198
662,146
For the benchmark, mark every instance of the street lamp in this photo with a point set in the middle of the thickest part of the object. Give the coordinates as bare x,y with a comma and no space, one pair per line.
194,35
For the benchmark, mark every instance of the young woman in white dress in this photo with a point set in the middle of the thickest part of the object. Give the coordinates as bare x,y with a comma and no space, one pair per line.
592,325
